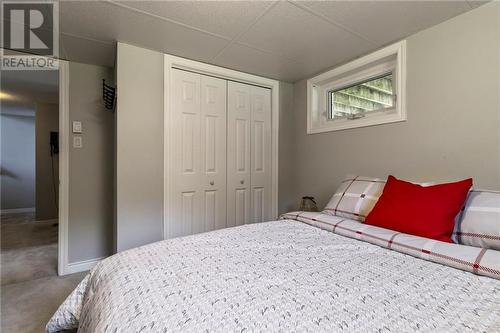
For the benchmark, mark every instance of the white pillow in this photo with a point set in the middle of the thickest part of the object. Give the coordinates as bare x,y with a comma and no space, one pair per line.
479,223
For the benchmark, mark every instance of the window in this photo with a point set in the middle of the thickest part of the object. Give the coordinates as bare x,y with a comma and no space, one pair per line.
368,91
356,100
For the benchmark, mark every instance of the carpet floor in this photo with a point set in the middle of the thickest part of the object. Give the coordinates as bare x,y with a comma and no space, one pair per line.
31,291
28,306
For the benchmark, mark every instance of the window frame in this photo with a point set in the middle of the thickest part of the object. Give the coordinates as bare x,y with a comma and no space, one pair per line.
389,59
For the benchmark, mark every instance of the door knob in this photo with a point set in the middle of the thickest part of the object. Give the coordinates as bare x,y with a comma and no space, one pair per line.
242,182
212,182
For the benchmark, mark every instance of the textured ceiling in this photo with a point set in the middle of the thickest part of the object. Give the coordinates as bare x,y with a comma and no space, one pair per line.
284,40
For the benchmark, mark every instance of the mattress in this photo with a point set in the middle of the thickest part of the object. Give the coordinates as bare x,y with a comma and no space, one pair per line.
279,276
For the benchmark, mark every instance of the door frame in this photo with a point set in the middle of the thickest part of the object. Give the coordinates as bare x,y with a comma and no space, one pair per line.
64,137
171,62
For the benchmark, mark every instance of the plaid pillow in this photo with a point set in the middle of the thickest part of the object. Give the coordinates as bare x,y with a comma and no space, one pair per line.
355,197
479,222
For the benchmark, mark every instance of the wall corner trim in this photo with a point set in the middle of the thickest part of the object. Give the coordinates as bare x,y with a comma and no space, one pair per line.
64,137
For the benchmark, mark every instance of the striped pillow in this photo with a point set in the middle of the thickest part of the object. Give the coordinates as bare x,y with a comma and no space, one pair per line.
479,223
355,197
468,258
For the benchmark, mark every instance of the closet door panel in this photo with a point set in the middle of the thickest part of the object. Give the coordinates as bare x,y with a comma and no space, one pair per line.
198,106
186,170
258,204
241,206
221,147
238,153
211,210
213,145
261,174
189,212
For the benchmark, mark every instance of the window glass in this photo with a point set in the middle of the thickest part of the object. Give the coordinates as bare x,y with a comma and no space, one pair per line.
374,94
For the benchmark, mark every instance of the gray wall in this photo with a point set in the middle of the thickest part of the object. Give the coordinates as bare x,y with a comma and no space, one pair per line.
286,174
453,127
17,180
47,120
139,155
90,167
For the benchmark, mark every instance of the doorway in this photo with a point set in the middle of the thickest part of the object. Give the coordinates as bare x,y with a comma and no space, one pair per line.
29,177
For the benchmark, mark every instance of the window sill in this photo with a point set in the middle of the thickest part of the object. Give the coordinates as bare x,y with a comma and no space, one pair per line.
343,124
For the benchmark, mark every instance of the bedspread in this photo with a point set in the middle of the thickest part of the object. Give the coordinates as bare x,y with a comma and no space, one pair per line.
278,276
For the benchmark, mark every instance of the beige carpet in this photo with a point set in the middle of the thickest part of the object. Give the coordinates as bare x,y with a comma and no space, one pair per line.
27,306
23,235
26,264
31,290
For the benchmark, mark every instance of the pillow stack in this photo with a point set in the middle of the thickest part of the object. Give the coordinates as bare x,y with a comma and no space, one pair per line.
435,211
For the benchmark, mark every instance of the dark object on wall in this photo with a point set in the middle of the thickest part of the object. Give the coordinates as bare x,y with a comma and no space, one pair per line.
108,96
54,150
307,204
54,143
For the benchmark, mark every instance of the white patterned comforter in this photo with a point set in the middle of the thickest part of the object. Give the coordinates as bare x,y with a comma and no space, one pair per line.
277,276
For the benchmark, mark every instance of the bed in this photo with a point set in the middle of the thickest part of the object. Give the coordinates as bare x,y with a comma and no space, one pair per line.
307,272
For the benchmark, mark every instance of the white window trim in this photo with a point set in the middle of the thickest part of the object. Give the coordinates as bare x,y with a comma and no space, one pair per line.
318,87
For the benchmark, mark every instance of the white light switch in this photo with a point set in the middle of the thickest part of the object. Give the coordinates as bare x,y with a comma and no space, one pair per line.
77,141
77,127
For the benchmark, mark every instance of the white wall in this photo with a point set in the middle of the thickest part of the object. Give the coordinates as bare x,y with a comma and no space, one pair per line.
91,179
139,144
453,127
286,195
17,175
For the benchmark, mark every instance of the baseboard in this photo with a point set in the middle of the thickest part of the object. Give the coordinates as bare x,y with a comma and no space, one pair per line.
49,220
17,210
80,266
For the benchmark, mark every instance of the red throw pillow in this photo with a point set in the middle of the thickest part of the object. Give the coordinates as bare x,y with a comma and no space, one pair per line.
426,211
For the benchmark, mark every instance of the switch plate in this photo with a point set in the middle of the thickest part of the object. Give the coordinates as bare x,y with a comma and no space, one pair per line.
77,141
77,127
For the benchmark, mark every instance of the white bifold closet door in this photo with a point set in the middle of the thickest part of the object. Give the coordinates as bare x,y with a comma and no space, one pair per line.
248,154
198,143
